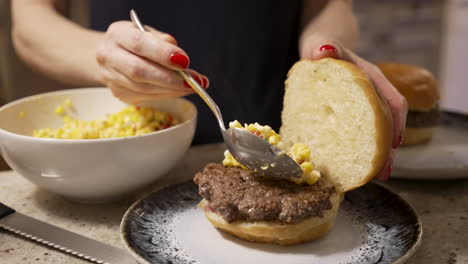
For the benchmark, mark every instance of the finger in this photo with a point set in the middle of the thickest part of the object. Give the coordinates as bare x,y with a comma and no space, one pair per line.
386,172
326,51
162,35
395,101
148,89
132,97
139,69
144,88
146,44
112,77
200,78
318,48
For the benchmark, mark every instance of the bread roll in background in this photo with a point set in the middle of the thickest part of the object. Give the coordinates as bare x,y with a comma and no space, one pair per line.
419,87
331,106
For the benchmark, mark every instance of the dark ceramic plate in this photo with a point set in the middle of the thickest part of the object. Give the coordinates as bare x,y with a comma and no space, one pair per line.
444,157
374,225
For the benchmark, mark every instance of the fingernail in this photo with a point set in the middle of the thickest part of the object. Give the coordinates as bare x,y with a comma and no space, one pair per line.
398,142
180,60
205,82
388,172
198,79
327,48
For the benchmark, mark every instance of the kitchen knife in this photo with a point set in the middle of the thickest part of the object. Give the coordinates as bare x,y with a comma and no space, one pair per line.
61,239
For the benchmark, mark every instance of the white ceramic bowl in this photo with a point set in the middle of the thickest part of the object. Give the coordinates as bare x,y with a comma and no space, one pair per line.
90,170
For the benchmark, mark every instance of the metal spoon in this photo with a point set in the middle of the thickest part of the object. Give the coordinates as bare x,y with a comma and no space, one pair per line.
249,150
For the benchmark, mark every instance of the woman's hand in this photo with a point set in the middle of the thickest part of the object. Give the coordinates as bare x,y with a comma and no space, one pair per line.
321,47
139,66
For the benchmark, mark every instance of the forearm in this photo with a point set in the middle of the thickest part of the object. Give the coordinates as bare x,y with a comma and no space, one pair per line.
53,45
335,20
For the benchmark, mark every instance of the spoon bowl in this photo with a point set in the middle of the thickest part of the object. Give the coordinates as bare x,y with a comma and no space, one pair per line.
260,156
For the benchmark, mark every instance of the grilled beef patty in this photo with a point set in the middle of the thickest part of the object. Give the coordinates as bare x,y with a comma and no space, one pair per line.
419,119
238,194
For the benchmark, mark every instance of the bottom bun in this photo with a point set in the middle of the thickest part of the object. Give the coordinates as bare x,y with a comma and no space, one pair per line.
278,233
414,136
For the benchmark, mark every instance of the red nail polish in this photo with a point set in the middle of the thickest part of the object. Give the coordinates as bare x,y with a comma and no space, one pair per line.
205,82
399,141
388,172
187,85
327,48
198,79
180,60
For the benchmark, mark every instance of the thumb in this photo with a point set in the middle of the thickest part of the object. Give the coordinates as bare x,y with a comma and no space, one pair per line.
317,48
326,51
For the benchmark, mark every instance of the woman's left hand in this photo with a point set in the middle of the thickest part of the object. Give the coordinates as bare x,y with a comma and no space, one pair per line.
320,48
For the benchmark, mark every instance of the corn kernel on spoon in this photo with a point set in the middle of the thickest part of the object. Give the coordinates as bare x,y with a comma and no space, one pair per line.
249,150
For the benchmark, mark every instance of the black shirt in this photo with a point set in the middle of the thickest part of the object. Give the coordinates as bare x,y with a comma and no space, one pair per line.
245,48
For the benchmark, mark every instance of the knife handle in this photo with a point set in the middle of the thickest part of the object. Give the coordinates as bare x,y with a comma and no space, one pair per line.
5,210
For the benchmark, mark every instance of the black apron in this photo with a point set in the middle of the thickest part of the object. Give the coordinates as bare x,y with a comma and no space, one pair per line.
245,48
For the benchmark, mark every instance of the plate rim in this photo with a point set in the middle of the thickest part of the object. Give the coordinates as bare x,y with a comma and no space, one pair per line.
454,173
141,260
124,220
420,229
451,174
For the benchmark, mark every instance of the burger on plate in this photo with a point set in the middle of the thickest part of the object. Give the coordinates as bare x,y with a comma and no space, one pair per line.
419,87
335,127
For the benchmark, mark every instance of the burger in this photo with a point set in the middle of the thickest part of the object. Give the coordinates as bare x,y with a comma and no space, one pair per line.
335,126
419,87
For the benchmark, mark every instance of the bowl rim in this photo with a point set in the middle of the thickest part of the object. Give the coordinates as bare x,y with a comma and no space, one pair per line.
81,141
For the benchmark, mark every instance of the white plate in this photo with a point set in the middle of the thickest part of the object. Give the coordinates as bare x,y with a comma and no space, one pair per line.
444,157
374,225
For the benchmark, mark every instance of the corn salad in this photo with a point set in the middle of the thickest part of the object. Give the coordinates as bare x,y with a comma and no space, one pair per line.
131,121
300,153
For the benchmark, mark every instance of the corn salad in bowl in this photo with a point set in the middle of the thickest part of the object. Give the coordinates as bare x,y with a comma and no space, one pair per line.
131,121
103,149
300,153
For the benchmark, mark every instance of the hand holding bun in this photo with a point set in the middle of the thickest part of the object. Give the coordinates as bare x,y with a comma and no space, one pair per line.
327,47
332,107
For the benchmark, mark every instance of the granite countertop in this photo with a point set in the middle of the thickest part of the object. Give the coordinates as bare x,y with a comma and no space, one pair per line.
442,206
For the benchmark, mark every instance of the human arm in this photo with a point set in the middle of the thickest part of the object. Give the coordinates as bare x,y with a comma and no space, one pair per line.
136,66
52,44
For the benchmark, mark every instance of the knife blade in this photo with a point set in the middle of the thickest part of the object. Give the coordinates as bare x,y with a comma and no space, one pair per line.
61,239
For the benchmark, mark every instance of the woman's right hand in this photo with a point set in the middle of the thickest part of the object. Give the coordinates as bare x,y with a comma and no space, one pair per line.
139,66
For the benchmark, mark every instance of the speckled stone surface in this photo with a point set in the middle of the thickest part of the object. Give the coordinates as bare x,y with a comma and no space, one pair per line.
442,206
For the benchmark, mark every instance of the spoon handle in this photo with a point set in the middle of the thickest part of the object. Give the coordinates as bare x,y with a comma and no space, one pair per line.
188,78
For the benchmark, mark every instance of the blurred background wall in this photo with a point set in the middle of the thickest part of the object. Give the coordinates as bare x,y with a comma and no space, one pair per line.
429,33
406,31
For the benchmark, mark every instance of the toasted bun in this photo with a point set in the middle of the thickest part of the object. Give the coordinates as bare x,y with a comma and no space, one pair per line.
278,233
416,84
331,106
414,136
